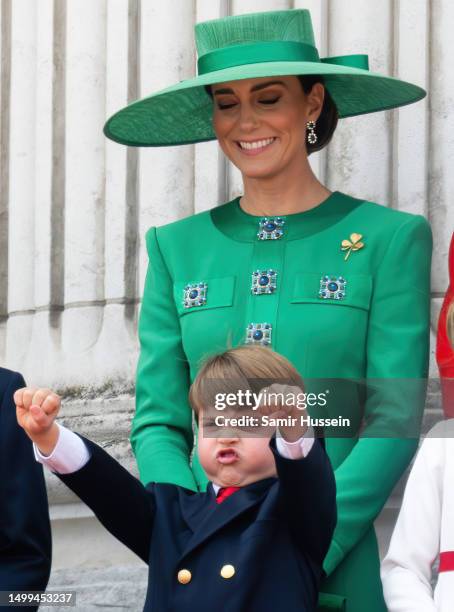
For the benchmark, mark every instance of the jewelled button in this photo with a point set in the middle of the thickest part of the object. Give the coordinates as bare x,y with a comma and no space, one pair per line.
263,281
332,287
270,228
195,294
258,333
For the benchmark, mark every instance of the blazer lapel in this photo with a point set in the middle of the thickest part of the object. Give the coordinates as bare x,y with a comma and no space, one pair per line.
197,507
204,516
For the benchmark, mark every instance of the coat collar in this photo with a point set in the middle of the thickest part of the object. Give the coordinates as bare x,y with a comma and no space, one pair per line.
205,517
235,223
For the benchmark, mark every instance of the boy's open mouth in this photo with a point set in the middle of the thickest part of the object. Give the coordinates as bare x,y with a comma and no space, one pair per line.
227,455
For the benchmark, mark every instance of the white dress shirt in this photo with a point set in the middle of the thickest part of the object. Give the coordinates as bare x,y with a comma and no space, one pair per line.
71,453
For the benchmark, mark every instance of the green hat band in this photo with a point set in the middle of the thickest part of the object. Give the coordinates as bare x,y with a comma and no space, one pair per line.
273,51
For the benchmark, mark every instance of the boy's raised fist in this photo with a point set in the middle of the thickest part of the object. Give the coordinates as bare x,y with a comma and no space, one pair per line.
36,410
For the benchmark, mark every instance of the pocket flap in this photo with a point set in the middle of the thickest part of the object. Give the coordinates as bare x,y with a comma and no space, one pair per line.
358,290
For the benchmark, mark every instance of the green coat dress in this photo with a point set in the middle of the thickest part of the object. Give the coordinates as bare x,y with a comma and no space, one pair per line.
377,328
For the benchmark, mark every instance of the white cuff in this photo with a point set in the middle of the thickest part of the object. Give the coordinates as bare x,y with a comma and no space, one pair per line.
69,455
298,449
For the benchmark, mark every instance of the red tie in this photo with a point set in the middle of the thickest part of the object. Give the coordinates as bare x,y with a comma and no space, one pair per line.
225,492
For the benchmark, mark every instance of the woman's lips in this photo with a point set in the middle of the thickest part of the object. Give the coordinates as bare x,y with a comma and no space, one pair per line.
227,456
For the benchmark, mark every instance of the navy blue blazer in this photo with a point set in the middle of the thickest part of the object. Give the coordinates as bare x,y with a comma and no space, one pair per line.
274,533
25,538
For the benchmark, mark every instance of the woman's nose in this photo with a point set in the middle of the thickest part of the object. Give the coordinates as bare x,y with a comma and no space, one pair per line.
248,119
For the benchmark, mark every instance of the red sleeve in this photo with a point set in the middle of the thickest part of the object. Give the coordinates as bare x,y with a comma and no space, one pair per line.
444,350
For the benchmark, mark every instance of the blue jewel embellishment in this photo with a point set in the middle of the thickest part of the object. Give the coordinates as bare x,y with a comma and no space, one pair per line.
270,228
332,287
259,333
263,281
195,294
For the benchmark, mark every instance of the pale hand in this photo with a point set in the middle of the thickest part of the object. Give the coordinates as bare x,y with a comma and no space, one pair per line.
36,411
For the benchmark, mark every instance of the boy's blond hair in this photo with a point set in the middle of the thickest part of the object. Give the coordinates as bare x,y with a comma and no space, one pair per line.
245,367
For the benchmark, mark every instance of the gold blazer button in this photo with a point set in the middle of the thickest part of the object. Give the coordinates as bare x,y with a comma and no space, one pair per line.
227,571
184,576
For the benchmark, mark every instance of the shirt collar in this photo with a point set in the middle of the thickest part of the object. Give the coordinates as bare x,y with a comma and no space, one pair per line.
256,483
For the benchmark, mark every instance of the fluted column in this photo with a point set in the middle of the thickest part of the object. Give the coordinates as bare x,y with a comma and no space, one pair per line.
115,351
360,154
84,254
21,197
45,343
411,137
166,175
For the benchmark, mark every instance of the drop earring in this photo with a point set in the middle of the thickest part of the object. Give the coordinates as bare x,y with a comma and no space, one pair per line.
312,136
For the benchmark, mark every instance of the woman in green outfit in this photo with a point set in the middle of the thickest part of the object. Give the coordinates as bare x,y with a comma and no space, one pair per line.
338,285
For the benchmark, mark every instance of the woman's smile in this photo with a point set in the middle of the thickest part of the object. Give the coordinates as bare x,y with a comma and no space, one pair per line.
255,147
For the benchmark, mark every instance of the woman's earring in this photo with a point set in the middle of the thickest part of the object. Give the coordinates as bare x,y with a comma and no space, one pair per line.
312,136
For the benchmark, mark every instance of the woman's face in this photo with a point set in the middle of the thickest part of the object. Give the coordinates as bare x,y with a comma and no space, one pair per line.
261,123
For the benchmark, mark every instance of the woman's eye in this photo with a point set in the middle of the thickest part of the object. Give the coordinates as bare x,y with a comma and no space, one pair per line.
224,106
269,101
227,105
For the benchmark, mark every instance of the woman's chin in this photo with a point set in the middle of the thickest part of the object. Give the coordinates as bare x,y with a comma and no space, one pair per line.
258,170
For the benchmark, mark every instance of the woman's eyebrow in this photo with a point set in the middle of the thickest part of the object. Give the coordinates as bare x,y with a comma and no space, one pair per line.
228,90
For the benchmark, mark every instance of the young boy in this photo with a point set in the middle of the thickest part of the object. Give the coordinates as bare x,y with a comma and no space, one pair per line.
262,548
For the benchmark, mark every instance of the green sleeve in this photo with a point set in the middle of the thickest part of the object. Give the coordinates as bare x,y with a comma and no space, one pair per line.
397,348
161,436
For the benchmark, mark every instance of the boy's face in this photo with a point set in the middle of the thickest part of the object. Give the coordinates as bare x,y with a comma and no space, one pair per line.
229,458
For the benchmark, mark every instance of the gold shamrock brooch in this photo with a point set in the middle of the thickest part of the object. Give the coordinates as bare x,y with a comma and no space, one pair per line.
354,244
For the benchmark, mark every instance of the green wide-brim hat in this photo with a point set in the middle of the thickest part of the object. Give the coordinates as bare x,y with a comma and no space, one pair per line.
275,43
